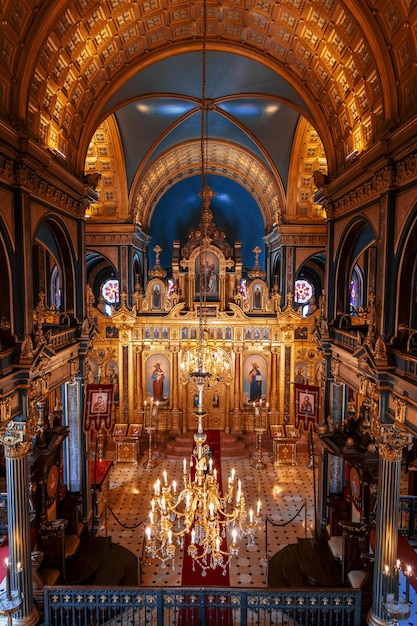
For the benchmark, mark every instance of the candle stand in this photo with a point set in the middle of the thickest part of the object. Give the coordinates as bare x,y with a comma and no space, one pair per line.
396,609
9,604
150,420
260,423
259,463
150,463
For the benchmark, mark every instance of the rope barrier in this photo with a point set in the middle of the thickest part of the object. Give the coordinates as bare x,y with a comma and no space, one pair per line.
120,523
281,524
289,521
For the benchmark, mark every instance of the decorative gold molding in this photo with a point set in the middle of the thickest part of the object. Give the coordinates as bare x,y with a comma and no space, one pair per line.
391,441
14,439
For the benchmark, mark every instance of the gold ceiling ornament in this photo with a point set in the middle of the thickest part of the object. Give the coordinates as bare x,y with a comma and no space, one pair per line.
198,515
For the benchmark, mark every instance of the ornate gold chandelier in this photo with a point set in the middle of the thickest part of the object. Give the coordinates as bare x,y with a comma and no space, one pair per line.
199,515
209,360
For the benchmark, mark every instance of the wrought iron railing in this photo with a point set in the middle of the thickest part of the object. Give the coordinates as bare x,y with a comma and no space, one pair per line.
407,518
179,606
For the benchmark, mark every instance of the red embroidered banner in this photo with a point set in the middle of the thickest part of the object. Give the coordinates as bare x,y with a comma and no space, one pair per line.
306,404
98,406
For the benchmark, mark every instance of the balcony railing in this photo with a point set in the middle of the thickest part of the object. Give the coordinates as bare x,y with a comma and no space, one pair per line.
179,606
407,518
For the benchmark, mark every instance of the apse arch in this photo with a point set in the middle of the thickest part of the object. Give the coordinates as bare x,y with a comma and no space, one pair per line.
226,160
405,269
7,279
357,239
52,247
99,269
313,270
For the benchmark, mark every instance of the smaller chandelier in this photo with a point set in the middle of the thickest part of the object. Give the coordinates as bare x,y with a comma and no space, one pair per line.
198,516
208,363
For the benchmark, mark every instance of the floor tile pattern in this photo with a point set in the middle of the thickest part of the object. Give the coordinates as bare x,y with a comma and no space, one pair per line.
283,491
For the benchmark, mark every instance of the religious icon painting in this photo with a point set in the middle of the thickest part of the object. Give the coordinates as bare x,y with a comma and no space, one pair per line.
257,296
156,297
157,372
207,276
254,378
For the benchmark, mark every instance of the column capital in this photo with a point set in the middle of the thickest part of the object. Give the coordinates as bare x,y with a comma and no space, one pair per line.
16,438
391,441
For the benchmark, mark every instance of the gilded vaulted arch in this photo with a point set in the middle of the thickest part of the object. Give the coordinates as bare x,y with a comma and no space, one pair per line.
342,57
222,159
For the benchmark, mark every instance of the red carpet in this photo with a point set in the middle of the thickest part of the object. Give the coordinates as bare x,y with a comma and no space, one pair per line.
192,573
99,471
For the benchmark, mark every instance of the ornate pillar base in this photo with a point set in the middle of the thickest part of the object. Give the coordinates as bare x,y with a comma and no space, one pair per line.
176,420
28,620
374,620
235,417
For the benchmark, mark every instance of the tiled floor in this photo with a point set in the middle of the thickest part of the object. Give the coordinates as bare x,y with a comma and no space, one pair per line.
287,499
284,491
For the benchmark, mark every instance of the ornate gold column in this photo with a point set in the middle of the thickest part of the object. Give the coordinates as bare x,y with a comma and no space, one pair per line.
17,441
138,379
175,425
390,440
227,409
236,426
274,381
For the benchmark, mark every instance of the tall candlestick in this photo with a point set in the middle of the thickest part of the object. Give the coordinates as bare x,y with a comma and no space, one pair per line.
385,582
397,569
7,565
408,573
19,572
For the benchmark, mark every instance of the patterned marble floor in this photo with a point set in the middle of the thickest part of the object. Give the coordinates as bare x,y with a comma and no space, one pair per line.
283,490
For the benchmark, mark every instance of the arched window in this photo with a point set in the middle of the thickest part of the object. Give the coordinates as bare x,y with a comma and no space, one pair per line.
355,290
303,293
56,292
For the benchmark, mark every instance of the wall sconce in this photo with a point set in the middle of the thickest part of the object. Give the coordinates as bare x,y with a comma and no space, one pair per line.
411,333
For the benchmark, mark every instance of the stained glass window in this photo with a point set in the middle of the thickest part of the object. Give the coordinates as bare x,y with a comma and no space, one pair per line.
303,290
110,291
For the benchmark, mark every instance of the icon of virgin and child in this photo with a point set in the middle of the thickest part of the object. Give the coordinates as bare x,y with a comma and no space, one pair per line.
158,378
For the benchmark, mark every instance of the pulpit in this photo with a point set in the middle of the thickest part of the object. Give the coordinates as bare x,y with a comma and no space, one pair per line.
284,444
126,439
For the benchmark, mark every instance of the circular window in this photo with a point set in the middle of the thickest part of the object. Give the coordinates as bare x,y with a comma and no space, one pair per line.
303,291
110,291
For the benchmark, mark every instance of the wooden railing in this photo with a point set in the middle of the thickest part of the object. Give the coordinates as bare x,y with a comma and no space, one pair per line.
179,606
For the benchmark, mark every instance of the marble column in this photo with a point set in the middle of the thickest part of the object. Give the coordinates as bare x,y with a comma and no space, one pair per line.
16,449
390,441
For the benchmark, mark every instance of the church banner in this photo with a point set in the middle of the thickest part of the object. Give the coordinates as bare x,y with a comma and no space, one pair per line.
98,406
306,404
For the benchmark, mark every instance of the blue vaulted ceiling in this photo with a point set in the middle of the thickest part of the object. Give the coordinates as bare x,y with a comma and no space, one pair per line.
249,106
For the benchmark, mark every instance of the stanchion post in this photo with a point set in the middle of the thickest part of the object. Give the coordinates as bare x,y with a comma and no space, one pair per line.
305,518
